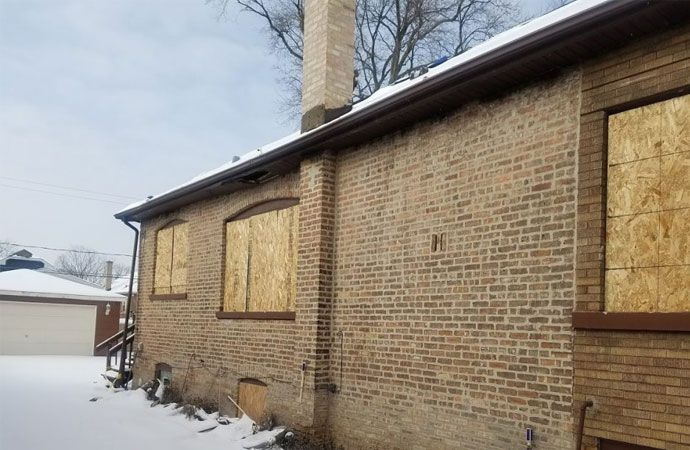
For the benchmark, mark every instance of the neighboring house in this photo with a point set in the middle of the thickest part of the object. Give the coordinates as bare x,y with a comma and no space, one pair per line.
24,259
121,286
41,314
464,255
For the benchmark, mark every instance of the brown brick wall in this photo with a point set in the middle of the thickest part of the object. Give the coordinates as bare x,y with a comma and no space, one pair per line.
640,382
464,347
172,330
475,336
315,279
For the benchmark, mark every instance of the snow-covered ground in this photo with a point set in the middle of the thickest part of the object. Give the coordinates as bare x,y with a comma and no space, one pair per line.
44,405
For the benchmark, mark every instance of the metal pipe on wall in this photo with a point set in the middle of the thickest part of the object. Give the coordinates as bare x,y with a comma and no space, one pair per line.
121,381
581,428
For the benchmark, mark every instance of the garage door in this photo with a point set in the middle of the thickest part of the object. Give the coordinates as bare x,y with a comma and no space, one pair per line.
46,329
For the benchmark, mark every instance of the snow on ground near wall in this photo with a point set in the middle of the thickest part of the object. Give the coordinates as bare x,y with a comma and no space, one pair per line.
44,405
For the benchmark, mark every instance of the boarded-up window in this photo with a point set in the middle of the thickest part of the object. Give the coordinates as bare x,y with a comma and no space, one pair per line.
171,259
648,206
261,262
252,398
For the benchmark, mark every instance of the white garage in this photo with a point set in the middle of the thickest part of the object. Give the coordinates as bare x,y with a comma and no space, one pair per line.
41,314
46,329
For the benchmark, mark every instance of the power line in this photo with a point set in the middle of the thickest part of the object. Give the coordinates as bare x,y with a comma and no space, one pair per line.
62,194
57,272
88,252
68,188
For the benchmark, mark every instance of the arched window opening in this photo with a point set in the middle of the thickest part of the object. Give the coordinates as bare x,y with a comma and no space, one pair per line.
261,258
170,274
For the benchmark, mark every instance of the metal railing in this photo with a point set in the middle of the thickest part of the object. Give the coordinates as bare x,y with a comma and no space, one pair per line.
114,344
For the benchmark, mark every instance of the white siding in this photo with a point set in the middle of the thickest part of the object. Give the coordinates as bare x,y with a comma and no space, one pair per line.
46,329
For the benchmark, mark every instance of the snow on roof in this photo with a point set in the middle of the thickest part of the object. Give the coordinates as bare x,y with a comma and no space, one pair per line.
30,283
512,35
47,267
242,159
121,286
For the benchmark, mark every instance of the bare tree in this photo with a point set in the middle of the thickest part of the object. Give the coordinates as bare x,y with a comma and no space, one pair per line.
120,271
84,263
393,37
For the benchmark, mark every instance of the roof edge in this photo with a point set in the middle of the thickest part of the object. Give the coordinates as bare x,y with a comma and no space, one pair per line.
58,296
461,72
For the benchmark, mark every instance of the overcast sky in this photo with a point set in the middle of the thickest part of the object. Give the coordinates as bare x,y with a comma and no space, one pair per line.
126,97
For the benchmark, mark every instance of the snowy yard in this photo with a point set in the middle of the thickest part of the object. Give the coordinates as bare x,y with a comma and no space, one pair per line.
44,404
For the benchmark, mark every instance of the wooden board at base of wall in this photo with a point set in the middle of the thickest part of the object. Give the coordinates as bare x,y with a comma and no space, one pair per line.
252,399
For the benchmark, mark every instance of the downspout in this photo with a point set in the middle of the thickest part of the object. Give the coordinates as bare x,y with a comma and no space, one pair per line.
121,381
581,428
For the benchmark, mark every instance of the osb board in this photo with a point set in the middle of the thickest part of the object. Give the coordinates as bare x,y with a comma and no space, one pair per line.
674,241
675,180
632,241
674,289
631,290
633,188
635,134
660,133
164,241
294,250
236,258
178,277
273,261
252,399
675,125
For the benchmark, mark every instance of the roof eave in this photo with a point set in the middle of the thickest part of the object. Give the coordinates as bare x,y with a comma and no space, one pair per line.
57,296
328,134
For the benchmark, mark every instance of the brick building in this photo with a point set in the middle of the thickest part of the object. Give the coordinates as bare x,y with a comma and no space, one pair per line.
465,255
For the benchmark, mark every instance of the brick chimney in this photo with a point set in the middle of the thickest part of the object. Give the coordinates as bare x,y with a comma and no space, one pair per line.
328,64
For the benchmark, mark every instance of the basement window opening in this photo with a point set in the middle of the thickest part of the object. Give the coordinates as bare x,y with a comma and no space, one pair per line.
164,374
252,395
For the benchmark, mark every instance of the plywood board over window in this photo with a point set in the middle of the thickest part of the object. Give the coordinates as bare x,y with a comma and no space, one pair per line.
236,265
252,398
261,262
648,204
178,277
273,263
170,274
164,242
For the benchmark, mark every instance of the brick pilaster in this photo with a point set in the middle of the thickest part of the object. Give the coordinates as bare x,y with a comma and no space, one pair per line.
315,275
